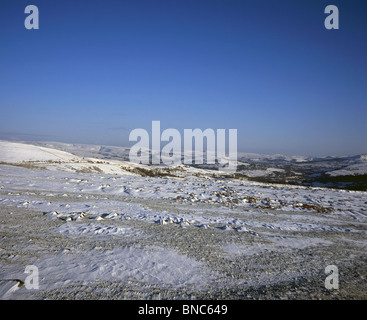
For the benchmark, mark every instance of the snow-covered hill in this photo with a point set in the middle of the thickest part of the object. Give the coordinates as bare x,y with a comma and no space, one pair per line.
337,172
99,229
19,152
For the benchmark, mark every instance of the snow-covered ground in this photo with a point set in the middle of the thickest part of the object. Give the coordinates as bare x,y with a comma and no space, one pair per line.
107,228
359,167
20,152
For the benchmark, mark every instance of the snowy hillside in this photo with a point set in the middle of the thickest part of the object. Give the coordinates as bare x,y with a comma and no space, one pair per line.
98,228
348,172
20,152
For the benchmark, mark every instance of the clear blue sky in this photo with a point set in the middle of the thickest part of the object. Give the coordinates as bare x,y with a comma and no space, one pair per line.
95,70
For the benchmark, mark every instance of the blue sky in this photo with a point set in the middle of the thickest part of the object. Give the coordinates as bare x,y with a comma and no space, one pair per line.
95,70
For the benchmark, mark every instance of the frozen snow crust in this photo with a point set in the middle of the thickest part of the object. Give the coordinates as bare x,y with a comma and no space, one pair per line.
99,229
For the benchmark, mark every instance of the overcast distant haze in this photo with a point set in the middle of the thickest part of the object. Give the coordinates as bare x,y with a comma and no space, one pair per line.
95,70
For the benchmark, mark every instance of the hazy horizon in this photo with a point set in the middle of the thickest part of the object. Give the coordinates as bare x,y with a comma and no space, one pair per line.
19,139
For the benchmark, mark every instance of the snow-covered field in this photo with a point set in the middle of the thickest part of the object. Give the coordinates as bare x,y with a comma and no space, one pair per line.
100,227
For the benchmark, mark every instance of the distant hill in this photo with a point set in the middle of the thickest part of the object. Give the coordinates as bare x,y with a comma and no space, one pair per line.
349,172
